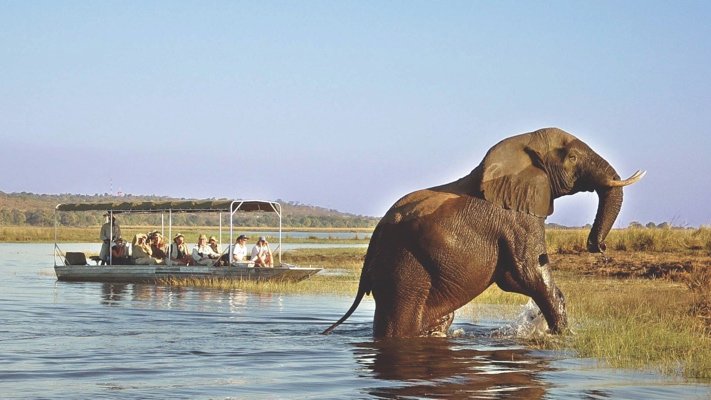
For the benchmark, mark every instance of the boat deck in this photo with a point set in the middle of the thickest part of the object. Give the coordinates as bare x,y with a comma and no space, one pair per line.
157,273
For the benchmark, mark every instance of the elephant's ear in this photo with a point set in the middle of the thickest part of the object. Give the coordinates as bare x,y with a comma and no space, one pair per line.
513,175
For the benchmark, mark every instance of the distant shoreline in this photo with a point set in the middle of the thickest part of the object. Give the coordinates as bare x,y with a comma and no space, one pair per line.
45,234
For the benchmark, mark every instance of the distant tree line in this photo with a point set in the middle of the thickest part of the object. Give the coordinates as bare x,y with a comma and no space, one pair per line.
650,225
38,210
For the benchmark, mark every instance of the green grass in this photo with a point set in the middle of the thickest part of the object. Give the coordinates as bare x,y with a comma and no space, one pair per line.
315,285
633,239
641,324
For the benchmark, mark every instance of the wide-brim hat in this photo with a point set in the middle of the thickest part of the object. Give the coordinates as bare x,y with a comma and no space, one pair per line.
178,235
212,238
262,239
240,237
203,236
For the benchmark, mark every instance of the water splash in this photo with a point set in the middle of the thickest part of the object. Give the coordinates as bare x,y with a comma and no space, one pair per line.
529,323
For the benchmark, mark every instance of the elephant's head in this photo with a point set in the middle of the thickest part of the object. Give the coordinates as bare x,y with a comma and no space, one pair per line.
526,172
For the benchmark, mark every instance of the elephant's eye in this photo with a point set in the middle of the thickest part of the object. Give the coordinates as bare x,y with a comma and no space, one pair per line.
573,158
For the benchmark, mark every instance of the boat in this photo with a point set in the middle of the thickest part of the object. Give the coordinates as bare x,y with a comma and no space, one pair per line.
76,266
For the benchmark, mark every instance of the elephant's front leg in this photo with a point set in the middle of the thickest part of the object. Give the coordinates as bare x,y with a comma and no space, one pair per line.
533,278
551,301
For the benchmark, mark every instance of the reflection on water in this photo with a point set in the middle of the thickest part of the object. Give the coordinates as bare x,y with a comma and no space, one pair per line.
440,368
89,340
117,294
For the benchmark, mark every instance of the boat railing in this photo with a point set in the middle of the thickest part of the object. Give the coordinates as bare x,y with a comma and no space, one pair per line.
59,253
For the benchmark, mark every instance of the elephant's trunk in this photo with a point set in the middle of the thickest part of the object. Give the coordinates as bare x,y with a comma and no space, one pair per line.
609,205
607,210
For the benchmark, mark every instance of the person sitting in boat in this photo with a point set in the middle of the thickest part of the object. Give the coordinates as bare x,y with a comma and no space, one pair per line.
224,259
109,232
157,245
212,241
262,254
203,253
239,253
178,254
119,253
142,251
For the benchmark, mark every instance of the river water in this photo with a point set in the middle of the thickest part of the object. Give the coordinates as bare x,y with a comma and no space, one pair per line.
93,340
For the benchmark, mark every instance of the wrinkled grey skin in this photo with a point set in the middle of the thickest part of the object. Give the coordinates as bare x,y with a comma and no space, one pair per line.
436,249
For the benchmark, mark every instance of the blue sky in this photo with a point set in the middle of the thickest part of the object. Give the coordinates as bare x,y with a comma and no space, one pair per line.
350,105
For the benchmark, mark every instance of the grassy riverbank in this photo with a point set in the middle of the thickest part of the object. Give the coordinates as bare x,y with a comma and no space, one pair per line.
645,324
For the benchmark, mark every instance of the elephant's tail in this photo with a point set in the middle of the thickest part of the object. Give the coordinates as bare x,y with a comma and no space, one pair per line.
365,284
356,302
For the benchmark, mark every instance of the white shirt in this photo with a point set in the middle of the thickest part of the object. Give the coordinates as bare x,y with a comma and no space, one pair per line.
240,252
258,251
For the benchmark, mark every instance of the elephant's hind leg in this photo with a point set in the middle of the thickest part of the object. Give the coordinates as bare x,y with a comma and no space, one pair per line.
404,313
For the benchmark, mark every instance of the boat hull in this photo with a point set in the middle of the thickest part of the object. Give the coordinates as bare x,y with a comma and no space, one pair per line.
164,273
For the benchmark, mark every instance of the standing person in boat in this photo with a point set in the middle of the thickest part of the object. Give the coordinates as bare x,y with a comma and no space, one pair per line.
110,231
203,253
142,250
178,254
262,254
239,253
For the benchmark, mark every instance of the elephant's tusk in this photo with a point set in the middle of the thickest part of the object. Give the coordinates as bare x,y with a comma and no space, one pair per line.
632,179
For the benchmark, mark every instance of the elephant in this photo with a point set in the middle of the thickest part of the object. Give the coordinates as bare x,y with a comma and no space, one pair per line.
437,249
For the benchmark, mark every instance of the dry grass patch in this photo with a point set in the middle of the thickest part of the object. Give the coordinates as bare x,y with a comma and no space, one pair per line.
315,285
567,241
699,282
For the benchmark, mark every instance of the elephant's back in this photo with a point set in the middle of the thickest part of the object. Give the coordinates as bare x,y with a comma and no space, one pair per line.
418,205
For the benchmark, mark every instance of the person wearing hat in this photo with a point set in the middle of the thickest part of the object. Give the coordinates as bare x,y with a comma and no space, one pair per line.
212,241
262,254
141,251
203,253
239,253
110,230
179,252
157,246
